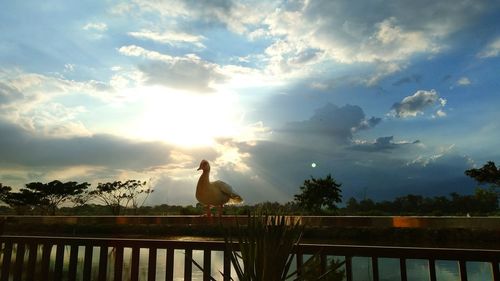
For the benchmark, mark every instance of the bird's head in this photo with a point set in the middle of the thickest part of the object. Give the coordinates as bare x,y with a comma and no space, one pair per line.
204,165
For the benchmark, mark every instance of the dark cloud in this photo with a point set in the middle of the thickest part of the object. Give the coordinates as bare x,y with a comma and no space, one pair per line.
415,78
21,148
282,168
333,121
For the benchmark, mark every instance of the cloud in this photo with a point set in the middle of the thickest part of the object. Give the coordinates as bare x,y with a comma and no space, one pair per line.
9,94
186,73
491,50
170,38
381,144
96,26
370,33
237,16
415,78
334,122
414,105
32,102
19,147
463,81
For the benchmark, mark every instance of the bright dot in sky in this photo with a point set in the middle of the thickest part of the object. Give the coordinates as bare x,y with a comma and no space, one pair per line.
188,119
313,165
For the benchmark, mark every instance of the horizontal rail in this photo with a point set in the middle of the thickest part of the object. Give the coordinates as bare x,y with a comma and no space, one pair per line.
490,223
12,262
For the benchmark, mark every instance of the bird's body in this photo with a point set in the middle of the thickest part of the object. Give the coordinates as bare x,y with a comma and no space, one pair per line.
215,193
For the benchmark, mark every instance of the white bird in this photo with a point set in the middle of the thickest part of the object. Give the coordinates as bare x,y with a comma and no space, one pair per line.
215,193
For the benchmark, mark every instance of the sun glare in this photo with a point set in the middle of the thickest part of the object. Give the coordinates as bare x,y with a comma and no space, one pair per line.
188,119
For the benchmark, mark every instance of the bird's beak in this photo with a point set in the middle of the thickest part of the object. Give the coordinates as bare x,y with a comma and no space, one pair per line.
199,169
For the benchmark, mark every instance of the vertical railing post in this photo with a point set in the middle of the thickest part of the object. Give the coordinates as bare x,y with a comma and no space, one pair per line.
188,264
496,271
322,262
207,264
7,256
18,270
73,261
463,270
58,270
227,265
402,269
134,271
432,270
152,264
118,270
348,268
87,263
47,248
375,268
30,271
169,271
299,259
103,263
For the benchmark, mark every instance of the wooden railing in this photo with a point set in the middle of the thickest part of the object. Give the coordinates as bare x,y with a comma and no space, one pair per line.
32,258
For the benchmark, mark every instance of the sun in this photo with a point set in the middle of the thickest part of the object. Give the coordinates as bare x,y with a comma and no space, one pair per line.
187,119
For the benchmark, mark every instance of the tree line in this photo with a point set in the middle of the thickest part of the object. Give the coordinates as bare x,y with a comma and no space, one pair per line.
317,196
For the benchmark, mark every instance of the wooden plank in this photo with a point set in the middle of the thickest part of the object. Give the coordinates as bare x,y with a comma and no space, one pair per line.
118,270
73,262
169,270
375,269
207,265
134,270
432,270
58,269
7,256
87,263
402,269
30,274
18,268
188,264
46,250
103,263
152,264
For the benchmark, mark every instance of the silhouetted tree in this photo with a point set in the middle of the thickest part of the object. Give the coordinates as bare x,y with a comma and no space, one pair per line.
45,196
319,194
118,195
4,192
489,173
53,194
23,202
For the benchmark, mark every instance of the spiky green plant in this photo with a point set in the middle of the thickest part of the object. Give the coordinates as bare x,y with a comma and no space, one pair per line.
263,250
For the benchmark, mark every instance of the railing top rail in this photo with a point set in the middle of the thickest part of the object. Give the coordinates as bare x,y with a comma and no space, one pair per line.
327,249
309,221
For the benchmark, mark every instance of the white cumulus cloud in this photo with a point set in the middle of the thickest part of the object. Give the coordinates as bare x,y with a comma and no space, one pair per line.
416,104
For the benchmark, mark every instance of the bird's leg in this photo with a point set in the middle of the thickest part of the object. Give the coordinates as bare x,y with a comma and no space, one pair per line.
209,213
219,209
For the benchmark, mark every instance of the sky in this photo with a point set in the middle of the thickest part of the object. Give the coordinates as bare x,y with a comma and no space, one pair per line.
389,97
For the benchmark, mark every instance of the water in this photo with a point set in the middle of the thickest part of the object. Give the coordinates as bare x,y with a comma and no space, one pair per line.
417,270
